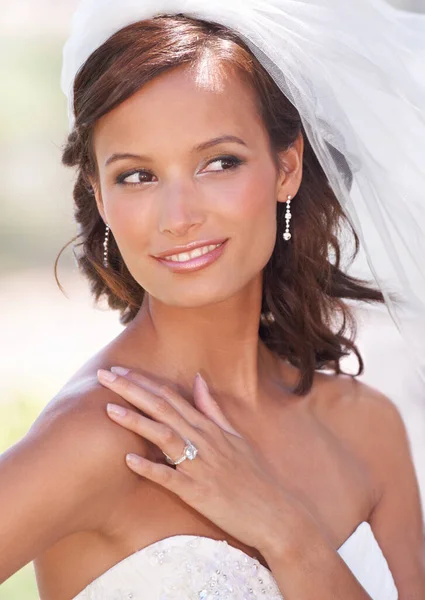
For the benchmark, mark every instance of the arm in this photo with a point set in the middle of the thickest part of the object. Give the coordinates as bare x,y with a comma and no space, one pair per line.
397,519
64,476
308,567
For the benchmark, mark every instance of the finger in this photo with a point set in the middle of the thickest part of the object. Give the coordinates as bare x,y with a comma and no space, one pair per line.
163,436
172,479
151,404
209,407
189,412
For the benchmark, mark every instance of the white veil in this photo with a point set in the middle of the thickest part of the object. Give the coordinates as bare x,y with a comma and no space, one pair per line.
355,72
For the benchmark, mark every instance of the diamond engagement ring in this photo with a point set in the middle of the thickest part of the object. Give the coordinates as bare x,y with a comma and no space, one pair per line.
190,451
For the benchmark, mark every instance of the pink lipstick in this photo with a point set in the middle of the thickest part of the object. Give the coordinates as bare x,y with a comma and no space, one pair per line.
194,264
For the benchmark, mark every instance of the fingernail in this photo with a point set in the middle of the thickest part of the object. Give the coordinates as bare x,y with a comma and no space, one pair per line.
202,380
133,459
120,370
116,409
106,375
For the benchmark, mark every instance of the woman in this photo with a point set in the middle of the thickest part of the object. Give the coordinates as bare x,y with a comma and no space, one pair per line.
288,481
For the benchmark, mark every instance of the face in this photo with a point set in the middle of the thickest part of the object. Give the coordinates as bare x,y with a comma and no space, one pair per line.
175,191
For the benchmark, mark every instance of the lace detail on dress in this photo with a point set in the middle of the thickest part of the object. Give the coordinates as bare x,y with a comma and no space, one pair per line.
217,575
188,567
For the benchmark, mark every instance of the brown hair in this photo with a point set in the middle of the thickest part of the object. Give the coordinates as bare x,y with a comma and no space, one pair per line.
303,288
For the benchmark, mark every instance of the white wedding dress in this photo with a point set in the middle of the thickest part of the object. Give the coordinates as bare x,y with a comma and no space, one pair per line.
189,567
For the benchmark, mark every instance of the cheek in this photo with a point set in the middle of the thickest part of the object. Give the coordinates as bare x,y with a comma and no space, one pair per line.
252,208
132,222
253,196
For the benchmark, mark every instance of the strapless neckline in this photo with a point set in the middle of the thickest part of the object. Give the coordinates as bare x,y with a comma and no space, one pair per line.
211,542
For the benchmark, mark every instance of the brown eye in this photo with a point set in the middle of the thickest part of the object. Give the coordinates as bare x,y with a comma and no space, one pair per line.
140,176
228,163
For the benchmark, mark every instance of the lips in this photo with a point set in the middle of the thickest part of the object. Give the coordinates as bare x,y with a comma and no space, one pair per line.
194,264
189,247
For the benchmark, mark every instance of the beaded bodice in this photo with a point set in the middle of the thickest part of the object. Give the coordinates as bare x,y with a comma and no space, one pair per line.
189,567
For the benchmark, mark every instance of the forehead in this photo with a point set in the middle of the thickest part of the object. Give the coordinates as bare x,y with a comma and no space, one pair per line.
185,104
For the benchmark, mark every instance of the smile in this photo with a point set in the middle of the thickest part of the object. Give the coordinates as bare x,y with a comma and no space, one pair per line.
194,260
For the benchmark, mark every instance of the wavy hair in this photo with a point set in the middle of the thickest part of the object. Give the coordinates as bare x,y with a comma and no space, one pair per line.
303,288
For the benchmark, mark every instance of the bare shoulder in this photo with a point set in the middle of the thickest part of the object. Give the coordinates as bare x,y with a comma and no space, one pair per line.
367,421
374,427
66,475
92,447
364,416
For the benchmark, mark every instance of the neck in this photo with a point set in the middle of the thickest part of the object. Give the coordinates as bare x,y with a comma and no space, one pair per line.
221,341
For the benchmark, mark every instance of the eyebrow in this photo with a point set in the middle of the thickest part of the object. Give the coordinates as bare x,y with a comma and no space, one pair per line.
198,148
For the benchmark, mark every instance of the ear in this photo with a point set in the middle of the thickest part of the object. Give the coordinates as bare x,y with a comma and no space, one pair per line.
97,196
291,171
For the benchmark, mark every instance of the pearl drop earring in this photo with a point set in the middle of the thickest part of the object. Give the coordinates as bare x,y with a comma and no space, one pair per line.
105,248
288,216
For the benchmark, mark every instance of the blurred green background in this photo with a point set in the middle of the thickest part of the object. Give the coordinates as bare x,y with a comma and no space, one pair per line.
45,335
29,79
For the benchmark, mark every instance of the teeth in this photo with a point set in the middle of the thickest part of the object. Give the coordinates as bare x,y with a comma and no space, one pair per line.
185,256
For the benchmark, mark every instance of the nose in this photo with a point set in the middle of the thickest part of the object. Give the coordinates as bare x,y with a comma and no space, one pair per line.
179,210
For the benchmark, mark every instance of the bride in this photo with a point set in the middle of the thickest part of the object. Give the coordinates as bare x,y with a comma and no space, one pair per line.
215,448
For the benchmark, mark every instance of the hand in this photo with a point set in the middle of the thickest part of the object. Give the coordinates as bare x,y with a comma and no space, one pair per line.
227,481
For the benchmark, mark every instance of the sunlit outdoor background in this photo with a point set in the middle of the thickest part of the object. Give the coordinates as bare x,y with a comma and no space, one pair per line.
46,335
